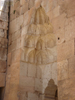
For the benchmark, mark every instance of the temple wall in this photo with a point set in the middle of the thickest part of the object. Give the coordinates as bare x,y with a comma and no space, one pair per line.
28,73
3,43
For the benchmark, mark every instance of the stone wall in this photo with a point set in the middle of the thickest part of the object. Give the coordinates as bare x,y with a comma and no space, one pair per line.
35,56
3,42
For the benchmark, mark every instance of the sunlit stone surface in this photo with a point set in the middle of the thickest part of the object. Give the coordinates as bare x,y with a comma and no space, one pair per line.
37,55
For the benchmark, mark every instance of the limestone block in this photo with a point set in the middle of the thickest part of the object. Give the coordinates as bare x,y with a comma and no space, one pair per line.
58,23
24,30
9,49
16,5
54,73
69,28
2,66
15,72
31,3
27,16
19,22
13,94
27,83
14,82
4,16
22,2
27,89
63,70
23,96
24,8
16,35
22,56
65,88
12,16
5,34
32,96
47,72
38,85
61,1
37,3
39,71
16,55
2,79
60,36
55,3
50,15
3,25
9,59
31,70
1,33
17,12
47,5
23,69
13,27
3,53
12,8
71,9
10,39
3,42
41,97
71,67
16,44
56,11
65,50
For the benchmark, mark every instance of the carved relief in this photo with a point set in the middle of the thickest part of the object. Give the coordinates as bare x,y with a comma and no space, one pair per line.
40,40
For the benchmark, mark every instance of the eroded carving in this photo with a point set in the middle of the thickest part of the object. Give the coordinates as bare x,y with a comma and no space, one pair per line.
40,37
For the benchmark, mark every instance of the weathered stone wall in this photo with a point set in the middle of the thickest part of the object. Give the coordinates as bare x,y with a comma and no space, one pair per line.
29,72
3,40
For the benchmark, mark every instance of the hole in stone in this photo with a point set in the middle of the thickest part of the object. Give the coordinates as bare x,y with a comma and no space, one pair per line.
59,27
28,8
58,38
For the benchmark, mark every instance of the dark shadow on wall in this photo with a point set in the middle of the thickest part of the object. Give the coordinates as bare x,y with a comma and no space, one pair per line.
1,93
51,91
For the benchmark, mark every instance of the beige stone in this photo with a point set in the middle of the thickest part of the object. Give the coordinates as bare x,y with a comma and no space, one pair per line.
67,49
71,67
69,28
27,82
58,23
16,56
56,11
3,53
13,27
38,85
40,51
60,36
4,16
63,70
2,79
2,66
32,96
31,70
23,69
3,25
24,8
9,59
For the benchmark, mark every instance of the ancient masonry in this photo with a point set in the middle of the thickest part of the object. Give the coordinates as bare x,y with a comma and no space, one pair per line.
37,50
3,44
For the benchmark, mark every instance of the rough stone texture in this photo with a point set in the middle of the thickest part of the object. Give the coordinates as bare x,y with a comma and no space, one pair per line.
41,50
3,44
